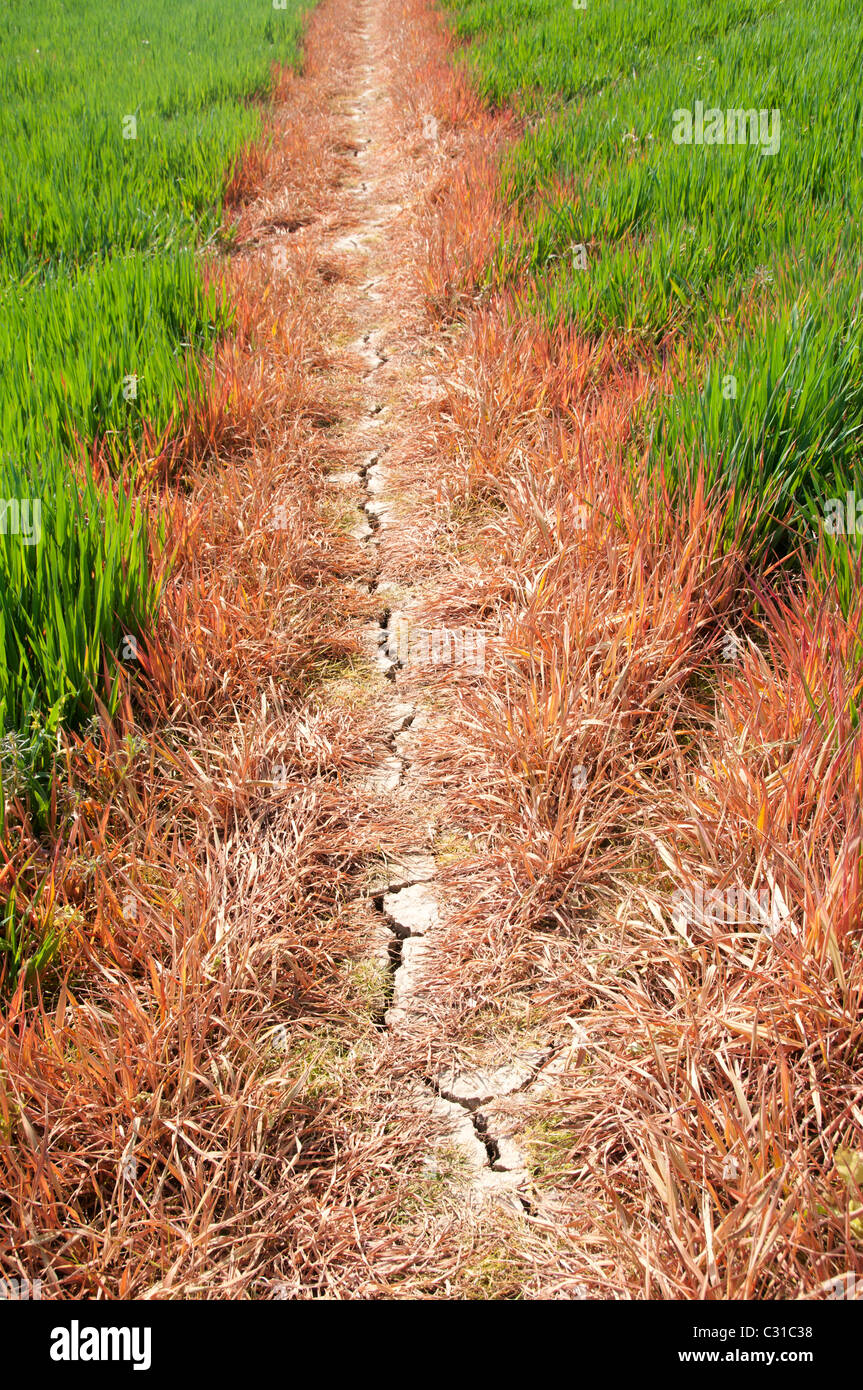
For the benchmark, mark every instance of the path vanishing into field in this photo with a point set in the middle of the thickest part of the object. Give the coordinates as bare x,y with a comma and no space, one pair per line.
376,974
404,905
455,1114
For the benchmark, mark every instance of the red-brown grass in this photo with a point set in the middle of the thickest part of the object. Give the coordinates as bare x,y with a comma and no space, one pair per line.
158,1134
706,1120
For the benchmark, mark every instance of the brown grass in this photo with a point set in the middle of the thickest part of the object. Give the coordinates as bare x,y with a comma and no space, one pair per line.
706,1114
194,1102
159,1132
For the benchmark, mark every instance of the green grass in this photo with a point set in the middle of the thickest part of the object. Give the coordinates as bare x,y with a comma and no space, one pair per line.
72,188
736,261
67,601
28,946
105,322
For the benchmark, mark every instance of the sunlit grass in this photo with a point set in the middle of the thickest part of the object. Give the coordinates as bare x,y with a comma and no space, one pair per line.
120,132
725,260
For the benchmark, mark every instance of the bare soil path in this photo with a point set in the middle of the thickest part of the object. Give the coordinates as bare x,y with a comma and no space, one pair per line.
461,1120
404,904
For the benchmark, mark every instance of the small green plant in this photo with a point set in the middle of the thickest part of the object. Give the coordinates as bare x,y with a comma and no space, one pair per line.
26,949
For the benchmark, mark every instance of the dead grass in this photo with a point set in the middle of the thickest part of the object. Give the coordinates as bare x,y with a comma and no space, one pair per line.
193,1102
163,1132
708,1120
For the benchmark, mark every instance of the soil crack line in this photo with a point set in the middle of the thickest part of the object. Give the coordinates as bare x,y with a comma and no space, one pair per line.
404,895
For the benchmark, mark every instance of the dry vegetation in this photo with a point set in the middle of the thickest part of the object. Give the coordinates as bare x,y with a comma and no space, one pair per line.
707,1132
700,1133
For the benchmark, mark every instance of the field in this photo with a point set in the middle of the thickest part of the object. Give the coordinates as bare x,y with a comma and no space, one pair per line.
431,655
656,416
119,126
735,264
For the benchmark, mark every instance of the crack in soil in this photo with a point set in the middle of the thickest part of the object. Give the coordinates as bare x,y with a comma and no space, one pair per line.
409,906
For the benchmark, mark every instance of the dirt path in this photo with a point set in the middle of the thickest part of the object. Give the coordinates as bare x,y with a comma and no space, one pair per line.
455,1075
404,906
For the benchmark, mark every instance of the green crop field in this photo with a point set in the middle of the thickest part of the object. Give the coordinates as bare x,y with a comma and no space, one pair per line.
694,171
118,126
